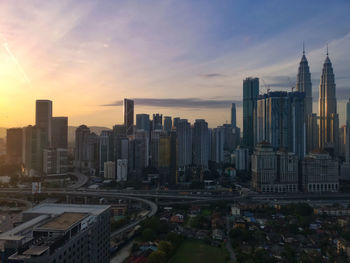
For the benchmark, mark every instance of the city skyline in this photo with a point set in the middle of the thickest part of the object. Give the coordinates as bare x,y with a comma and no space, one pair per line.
192,73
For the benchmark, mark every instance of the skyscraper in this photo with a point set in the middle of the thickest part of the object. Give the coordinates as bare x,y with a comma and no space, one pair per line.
200,143
250,95
59,132
328,117
217,144
167,123
43,117
184,140
14,145
142,122
347,145
129,116
157,122
304,83
233,115
106,149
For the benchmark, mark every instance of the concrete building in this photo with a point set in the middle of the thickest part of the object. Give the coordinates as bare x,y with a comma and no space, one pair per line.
55,161
217,144
122,170
86,149
320,173
274,172
43,118
14,144
250,96
328,116
312,133
232,137
138,154
109,170
242,159
168,124
58,233
59,132
129,116
200,143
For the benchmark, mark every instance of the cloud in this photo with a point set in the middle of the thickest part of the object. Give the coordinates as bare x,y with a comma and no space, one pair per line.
213,75
179,103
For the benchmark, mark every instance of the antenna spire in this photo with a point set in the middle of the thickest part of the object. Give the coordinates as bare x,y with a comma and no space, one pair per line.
303,48
327,49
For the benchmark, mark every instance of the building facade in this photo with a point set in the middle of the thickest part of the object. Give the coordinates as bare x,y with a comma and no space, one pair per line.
14,144
129,116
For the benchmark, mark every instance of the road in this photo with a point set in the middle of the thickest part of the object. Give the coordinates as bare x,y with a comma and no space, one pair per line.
228,242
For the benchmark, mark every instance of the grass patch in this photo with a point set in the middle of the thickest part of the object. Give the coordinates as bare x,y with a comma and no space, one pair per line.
206,212
191,251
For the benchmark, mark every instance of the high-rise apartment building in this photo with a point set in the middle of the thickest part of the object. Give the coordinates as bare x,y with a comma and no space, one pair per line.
168,124
175,122
233,115
122,170
59,132
184,141
55,161
250,96
242,158
328,117
14,144
129,116
109,170
86,148
200,143
232,137
106,149
347,145
43,118
217,144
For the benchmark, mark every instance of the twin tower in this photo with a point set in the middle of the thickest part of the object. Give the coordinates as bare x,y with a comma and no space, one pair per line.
322,130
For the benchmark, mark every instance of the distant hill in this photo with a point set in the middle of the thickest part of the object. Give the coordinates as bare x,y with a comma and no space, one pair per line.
71,131
95,129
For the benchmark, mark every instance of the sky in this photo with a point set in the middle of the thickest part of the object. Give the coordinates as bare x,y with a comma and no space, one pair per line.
182,58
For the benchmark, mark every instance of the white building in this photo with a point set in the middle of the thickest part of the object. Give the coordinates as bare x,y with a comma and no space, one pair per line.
55,161
122,170
242,159
109,170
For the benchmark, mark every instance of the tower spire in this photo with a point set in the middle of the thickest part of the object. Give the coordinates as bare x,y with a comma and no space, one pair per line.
327,49
303,48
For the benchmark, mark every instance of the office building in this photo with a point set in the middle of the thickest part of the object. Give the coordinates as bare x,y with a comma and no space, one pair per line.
168,124
106,149
55,161
109,170
138,154
242,158
175,122
280,121
58,233
184,141
34,140
328,117
233,115
143,122
43,118
155,147
250,96
200,143
287,172
129,116
320,173
157,122
312,133
86,149
122,170
119,138
304,84
14,144
232,137
347,146
59,132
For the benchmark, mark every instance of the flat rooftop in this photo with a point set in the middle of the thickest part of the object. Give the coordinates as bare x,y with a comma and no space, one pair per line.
57,209
63,222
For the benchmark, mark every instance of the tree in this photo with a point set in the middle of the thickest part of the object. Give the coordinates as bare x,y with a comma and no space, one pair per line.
157,257
148,234
166,247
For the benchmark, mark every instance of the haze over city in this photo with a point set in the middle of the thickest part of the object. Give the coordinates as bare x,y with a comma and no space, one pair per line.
179,58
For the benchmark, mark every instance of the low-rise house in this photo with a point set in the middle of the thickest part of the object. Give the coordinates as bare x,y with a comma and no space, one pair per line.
218,234
178,218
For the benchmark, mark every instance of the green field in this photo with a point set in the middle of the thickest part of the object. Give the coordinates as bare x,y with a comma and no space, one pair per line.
196,251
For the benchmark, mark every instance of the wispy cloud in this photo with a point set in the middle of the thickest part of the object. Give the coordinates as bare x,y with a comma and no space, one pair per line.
179,103
213,75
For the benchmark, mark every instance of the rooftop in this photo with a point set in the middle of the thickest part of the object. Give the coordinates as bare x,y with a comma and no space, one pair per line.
57,209
63,222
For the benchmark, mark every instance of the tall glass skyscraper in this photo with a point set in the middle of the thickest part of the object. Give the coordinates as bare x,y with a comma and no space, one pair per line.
250,95
233,115
328,117
129,116
200,143
43,118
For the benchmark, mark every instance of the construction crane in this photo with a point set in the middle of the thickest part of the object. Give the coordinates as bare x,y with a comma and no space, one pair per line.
267,87
291,84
